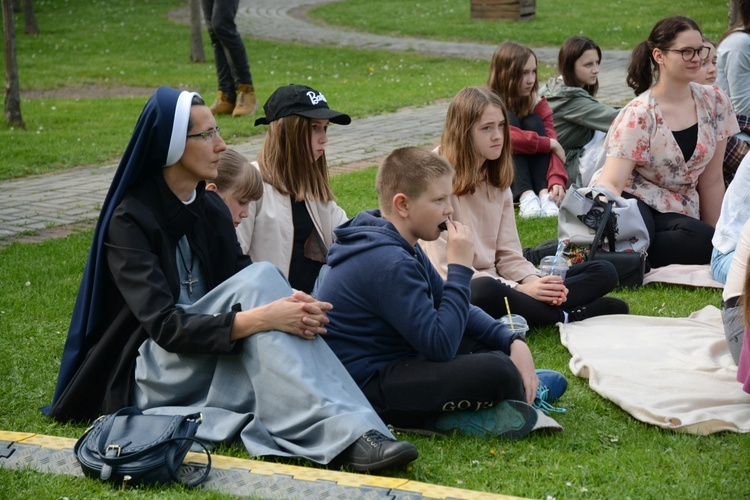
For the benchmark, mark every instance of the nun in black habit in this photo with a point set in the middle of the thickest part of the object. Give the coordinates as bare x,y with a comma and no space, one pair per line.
172,317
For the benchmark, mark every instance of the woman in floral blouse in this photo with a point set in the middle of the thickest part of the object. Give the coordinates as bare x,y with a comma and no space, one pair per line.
666,147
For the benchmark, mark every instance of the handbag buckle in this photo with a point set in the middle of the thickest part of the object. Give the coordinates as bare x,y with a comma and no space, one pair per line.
115,447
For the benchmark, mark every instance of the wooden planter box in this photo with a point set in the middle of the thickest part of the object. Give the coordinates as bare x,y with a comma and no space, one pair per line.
503,10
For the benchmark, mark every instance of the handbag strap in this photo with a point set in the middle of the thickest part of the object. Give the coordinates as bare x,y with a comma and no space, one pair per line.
604,224
173,461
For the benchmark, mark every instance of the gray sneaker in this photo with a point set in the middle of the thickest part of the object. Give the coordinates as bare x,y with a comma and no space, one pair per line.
508,419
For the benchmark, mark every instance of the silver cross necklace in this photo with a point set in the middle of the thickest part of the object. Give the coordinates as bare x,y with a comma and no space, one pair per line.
189,270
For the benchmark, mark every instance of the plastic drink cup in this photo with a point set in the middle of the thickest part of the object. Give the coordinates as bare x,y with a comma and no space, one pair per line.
554,266
519,323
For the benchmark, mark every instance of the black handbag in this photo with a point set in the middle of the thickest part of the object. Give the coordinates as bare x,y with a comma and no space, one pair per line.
631,266
128,446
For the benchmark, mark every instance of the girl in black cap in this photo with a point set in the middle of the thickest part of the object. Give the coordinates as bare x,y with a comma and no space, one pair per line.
294,227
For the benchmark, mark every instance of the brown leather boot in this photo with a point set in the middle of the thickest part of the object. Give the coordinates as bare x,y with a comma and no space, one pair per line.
224,104
246,102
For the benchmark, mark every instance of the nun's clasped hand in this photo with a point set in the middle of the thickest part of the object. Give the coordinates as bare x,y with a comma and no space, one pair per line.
299,314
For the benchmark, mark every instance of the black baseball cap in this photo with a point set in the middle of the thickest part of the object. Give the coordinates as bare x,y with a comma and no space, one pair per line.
300,100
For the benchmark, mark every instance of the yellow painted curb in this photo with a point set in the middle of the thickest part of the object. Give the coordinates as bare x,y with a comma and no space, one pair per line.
270,468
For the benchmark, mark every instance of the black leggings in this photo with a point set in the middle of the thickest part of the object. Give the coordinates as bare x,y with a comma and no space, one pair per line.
530,170
585,282
413,392
675,238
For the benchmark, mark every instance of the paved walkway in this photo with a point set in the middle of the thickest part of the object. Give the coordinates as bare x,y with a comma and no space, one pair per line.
48,205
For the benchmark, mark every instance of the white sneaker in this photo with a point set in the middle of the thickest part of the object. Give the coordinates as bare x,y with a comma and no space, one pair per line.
549,208
529,206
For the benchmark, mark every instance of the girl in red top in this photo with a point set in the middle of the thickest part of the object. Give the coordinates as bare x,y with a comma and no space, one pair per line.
538,159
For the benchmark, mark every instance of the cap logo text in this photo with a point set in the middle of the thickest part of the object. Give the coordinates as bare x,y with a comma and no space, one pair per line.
315,98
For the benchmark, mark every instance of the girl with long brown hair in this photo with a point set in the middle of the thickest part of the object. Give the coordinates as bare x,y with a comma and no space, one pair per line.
475,142
294,227
538,158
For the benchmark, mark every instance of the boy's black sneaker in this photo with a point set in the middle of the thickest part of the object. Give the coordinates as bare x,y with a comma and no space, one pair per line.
375,451
599,307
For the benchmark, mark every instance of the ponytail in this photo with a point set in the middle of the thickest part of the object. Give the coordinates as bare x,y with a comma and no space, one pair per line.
641,68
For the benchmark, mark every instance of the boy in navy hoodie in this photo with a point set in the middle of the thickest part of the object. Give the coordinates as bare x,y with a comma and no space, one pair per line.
423,355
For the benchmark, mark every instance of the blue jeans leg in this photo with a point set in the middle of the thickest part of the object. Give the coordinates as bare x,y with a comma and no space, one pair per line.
720,263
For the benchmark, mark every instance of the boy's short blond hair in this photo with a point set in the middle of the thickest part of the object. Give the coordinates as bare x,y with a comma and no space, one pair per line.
409,171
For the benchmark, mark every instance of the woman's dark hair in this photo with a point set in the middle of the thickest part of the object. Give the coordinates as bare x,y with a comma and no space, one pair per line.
642,64
742,23
570,52
195,101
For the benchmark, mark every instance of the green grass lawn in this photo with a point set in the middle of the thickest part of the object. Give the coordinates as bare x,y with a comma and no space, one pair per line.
120,43
615,24
101,44
603,453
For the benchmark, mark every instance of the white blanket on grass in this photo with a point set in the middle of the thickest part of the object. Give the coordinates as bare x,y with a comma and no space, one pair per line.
680,274
675,373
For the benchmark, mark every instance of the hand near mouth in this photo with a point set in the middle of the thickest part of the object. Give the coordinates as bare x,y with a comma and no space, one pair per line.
460,248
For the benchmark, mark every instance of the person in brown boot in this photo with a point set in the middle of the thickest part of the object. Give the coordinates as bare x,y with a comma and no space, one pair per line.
224,104
236,95
246,103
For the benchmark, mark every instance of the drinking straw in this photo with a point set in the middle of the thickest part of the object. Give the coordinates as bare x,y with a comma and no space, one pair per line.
510,317
560,247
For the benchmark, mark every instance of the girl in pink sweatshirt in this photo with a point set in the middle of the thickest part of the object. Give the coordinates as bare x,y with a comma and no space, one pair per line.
475,142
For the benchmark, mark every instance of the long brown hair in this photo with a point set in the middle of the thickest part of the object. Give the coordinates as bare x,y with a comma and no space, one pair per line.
570,52
506,71
286,160
642,64
742,23
457,147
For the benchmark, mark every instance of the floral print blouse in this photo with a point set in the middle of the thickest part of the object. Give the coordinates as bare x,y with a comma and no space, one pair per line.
661,177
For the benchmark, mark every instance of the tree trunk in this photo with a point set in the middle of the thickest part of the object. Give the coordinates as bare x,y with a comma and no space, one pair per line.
30,26
196,37
12,90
